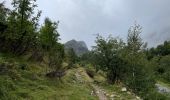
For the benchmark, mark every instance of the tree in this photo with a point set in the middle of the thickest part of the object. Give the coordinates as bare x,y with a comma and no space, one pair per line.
160,50
3,21
107,55
48,38
71,57
163,49
21,34
160,57
48,34
55,57
164,66
3,13
139,78
134,41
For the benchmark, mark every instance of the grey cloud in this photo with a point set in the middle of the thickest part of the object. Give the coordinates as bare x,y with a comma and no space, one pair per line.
80,19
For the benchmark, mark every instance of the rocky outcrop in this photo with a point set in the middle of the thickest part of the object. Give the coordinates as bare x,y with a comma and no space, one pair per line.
79,47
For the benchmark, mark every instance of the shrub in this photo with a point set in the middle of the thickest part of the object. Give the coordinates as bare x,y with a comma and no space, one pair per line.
154,95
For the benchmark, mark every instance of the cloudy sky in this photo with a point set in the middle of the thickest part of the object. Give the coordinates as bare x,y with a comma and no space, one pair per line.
81,19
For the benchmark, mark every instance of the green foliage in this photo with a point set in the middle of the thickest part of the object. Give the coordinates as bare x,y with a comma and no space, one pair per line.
3,13
134,41
3,20
48,34
126,63
163,49
56,56
71,57
21,33
159,57
89,58
129,63
154,95
139,79
107,56
33,84
160,50
164,69
48,38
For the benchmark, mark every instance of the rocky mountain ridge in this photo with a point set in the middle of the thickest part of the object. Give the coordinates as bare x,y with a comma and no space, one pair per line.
79,47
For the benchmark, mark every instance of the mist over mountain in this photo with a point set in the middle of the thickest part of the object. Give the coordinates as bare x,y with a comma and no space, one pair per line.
79,47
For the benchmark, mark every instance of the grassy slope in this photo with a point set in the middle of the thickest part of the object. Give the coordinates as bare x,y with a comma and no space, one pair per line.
31,83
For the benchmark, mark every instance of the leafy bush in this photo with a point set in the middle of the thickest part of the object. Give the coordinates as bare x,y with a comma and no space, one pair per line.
163,69
154,95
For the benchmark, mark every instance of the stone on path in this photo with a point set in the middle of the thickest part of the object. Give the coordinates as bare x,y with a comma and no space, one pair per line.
111,96
124,89
128,93
138,98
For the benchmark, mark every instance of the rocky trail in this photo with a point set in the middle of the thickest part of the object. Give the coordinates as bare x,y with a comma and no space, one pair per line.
102,93
96,91
99,92
162,89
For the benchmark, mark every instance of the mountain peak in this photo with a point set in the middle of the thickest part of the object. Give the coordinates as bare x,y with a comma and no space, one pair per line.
79,47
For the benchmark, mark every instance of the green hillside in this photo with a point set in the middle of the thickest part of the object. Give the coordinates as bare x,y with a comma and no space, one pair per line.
24,80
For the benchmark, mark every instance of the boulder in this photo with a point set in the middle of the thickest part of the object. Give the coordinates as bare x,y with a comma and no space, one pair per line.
92,92
111,96
107,95
128,93
138,98
97,92
124,89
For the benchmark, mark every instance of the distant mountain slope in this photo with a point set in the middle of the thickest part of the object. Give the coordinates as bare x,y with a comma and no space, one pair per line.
79,47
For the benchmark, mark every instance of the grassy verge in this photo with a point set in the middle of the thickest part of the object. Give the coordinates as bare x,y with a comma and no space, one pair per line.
26,81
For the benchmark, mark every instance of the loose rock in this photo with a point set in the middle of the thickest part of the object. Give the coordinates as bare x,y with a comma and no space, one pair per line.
128,93
137,97
107,95
124,89
97,92
111,96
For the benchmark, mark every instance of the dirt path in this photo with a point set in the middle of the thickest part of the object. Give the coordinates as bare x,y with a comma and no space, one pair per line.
99,92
